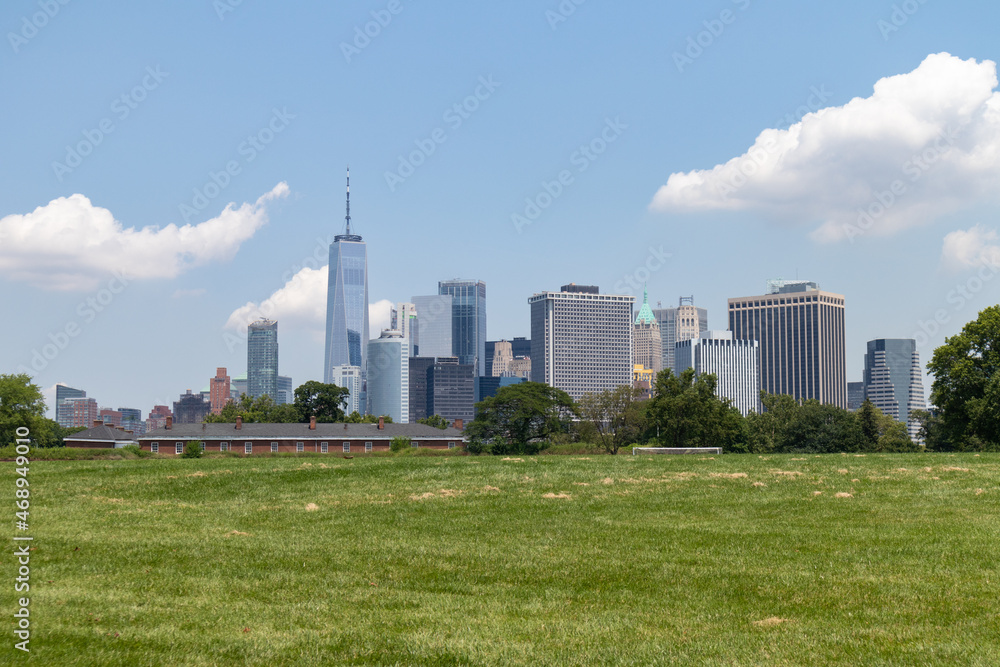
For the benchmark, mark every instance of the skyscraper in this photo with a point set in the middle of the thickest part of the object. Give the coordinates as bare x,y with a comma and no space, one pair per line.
347,300
647,342
434,325
581,340
451,390
262,359
404,319
468,321
79,412
286,392
801,334
349,377
894,380
735,364
219,390
389,376
684,322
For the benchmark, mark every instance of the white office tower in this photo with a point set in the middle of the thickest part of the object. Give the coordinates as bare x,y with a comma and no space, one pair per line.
389,376
349,377
735,363
404,320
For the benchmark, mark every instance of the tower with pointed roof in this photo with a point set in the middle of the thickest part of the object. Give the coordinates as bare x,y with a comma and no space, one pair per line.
347,300
647,342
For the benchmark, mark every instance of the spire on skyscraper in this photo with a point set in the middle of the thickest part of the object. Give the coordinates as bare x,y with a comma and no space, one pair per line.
645,315
348,229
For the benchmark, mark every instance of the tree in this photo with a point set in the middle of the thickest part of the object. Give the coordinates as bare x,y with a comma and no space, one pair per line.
685,412
22,405
767,428
868,416
192,450
358,418
258,410
324,401
966,389
822,428
618,416
521,415
437,421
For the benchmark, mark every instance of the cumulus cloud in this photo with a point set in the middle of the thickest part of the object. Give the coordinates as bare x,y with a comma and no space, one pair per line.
301,303
924,144
971,248
70,244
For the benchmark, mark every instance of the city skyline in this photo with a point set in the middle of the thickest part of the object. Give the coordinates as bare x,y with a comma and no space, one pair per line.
196,189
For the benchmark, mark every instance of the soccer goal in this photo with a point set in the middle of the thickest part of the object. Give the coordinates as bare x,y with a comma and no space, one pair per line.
676,450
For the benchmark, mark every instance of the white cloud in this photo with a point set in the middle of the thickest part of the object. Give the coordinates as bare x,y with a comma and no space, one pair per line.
301,302
933,133
971,248
70,244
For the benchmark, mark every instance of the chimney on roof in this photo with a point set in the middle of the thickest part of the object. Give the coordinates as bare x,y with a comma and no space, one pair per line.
130,432
98,422
170,422
459,424
312,423
381,423
239,422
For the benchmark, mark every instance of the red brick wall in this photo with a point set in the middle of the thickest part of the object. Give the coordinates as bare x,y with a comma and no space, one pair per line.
288,446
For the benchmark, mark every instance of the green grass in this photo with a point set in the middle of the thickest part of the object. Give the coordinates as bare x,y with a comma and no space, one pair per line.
464,561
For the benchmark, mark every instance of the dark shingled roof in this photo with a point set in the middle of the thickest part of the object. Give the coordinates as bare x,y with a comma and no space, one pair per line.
302,432
102,433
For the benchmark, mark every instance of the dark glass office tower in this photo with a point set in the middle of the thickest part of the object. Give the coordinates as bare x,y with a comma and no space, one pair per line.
468,321
262,359
347,300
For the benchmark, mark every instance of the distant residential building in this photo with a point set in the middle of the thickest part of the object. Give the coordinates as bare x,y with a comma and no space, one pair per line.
80,412
646,340
158,417
220,389
64,416
855,395
347,300
800,329
581,340
403,318
894,380
735,364
468,308
349,377
451,389
685,322
434,325
262,359
419,402
111,417
389,376
191,409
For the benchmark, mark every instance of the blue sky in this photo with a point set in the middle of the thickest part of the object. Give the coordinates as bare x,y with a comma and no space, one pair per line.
183,109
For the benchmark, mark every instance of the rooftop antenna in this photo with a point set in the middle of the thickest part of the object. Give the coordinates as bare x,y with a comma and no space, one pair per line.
348,231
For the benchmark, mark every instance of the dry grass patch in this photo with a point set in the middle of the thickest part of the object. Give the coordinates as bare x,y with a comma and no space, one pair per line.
312,507
556,495
786,473
759,484
844,471
451,493
237,532
817,493
507,458
980,492
488,489
580,484
771,622
607,480
843,494
954,469
197,473
422,496
729,475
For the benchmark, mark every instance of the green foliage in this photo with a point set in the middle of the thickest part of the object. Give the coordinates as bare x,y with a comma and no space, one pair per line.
437,421
258,410
618,416
135,450
23,406
966,389
324,401
400,444
522,416
358,418
192,450
685,412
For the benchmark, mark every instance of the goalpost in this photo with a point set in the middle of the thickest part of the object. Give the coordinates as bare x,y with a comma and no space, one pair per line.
676,450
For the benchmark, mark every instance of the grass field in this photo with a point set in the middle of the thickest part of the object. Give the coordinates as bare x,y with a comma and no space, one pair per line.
548,560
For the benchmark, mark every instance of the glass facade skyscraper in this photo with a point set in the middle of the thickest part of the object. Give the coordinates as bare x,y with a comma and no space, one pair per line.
894,379
468,321
432,337
262,359
347,301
